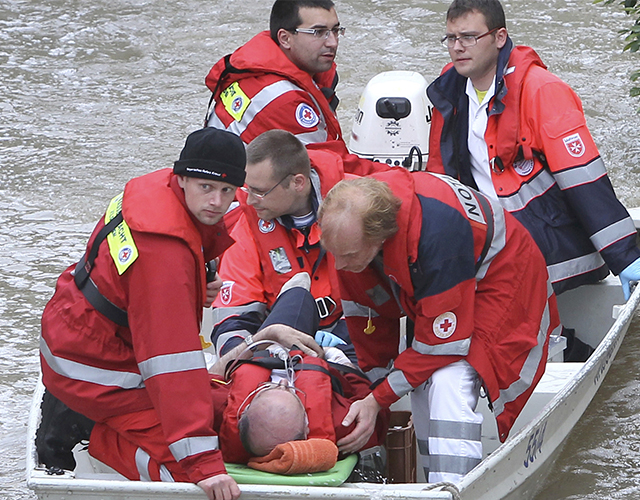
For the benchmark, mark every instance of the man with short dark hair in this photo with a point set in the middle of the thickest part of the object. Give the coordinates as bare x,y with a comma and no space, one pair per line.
120,338
284,78
277,237
504,124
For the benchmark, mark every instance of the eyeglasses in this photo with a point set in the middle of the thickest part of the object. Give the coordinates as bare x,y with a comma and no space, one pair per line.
300,395
261,196
449,41
322,33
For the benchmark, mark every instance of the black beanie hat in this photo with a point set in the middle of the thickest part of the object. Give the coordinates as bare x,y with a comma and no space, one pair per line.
214,154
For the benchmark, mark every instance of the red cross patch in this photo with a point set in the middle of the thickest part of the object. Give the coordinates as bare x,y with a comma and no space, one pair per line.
237,104
445,325
125,254
575,146
306,116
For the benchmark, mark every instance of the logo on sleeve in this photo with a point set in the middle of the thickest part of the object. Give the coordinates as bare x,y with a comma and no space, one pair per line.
306,116
266,226
225,292
445,325
575,146
125,254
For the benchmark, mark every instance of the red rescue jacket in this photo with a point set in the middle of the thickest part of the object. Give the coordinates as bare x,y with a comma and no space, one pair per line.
489,304
546,168
290,99
103,370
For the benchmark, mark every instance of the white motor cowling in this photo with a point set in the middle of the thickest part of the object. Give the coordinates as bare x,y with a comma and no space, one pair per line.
393,119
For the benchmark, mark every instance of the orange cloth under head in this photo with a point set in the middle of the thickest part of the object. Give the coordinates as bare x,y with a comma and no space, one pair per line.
298,457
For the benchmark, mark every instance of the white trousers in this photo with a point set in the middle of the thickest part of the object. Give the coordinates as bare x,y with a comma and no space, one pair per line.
447,426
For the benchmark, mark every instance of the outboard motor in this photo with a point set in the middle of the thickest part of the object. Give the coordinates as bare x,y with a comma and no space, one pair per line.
393,119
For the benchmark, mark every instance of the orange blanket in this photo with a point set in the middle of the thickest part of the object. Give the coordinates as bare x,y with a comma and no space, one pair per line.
298,457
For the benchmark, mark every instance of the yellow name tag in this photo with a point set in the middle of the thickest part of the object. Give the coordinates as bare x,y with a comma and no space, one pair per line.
122,248
235,101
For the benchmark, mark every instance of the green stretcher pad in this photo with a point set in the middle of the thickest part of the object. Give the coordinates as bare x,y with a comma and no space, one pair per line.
335,476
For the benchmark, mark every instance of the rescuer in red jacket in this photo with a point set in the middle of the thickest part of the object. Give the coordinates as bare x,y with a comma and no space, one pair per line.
120,337
505,125
475,289
284,78
277,236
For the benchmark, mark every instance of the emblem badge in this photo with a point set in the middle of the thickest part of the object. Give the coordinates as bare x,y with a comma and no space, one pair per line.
393,128
523,167
266,226
306,116
280,261
235,101
237,104
575,146
445,325
125,254
225,292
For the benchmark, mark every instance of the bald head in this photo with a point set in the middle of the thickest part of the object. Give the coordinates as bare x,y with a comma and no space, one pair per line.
273,417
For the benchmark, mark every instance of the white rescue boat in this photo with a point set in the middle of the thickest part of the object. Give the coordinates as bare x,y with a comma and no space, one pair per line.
512,470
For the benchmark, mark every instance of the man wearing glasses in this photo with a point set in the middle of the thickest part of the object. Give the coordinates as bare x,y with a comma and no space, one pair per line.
283,78
277,237
504,125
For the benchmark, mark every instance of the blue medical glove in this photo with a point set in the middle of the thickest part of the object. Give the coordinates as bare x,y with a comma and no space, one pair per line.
630,273
328,339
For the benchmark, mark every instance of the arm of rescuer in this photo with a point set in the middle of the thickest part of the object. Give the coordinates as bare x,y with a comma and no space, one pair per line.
580,173
411,368
447,285
240,308
164,313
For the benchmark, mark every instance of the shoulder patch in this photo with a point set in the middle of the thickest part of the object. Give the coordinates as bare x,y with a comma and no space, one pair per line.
235,101
445,325
575,146
306,116
122,248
